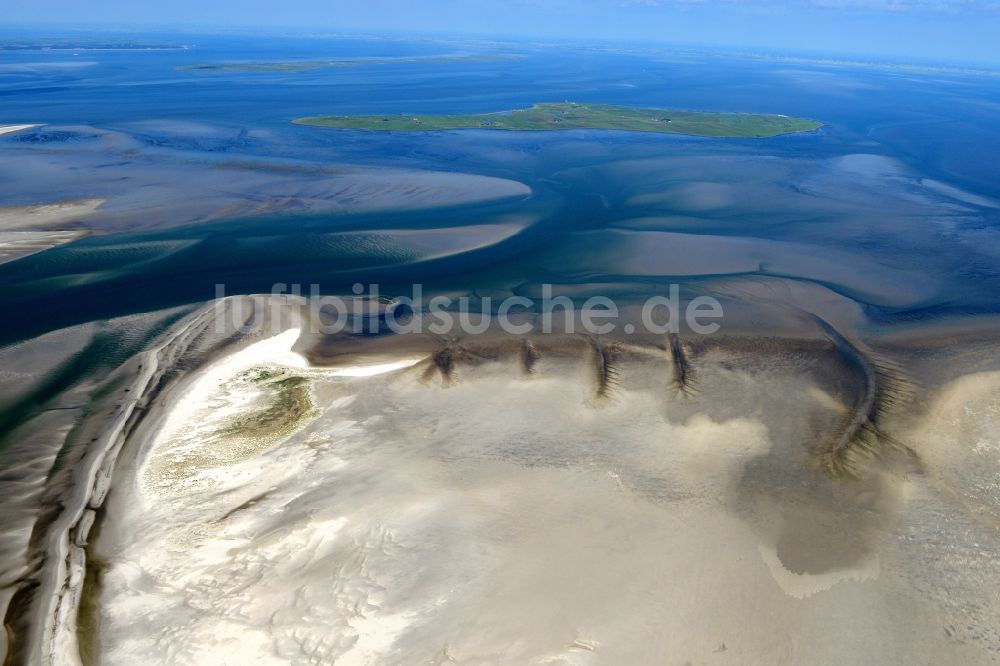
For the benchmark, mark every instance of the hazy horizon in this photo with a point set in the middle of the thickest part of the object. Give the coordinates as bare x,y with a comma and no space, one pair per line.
926,30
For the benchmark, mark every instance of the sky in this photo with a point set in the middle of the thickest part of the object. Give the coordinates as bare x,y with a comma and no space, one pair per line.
934,30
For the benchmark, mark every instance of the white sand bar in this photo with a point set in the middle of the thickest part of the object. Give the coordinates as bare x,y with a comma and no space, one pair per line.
45,216
26,230
8,129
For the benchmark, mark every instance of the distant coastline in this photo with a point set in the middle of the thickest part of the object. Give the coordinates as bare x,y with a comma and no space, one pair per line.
293,66
70,45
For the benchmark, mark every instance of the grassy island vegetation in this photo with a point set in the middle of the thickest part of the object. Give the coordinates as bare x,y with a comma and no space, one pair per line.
568,115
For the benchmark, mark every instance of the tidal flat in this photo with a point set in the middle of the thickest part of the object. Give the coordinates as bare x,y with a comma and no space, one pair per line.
412,515
814,482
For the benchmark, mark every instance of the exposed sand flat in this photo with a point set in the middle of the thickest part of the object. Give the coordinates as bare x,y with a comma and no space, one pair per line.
26,230
196,195
622,252
17,244
8,129
46,216
410,520
960,438
164,192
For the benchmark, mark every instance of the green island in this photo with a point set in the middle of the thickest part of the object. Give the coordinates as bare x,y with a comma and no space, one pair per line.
292,66
568,115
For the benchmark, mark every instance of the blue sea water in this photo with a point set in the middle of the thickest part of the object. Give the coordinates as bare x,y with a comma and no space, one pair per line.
914,127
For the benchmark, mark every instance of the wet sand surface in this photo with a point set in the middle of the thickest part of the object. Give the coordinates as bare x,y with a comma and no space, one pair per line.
816,483
406,516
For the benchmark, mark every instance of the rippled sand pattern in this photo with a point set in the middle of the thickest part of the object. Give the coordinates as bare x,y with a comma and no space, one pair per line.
414,521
